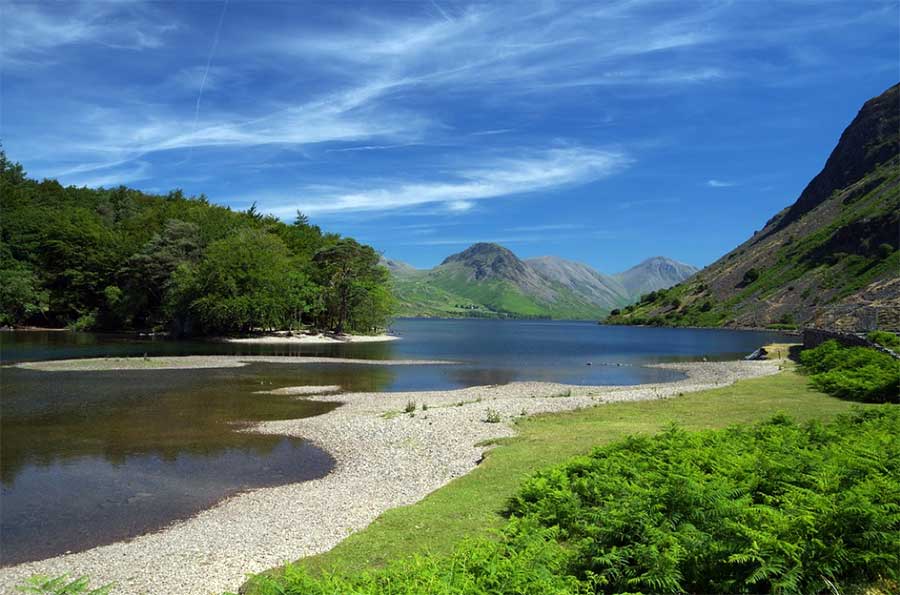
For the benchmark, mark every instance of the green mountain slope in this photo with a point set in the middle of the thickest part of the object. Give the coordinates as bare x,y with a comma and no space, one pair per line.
836,246
488,280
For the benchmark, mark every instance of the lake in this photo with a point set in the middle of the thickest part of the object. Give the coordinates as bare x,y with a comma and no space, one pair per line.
95,457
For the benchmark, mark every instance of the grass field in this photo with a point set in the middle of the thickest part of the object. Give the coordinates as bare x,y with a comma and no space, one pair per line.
472,504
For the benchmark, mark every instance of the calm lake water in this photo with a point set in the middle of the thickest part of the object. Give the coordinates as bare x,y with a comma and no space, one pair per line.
88,458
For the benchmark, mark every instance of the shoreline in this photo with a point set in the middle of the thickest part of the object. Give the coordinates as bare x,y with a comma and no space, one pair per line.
195,362
379,453
757,329
304,339
319,338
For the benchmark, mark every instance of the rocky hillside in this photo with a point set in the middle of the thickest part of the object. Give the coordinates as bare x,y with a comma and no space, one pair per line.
593,286
654,273
488,280
834,249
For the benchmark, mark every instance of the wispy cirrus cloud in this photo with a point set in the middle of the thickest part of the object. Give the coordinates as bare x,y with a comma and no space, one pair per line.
713,183
364,78
124,173
549,227
517,45
500,177
31,32
624,205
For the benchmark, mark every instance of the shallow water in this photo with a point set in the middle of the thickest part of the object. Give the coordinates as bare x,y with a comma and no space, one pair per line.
93,457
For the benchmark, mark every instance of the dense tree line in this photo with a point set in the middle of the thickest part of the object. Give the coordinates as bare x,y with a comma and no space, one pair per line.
123,259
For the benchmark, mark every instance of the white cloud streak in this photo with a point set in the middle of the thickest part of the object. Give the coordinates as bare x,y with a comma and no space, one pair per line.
720,183
523,49
549,227
378,81
497,178
31,32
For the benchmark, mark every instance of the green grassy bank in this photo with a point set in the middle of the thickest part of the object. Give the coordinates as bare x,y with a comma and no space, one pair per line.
472,505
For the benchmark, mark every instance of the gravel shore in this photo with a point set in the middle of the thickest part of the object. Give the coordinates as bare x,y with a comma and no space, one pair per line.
384,459
100,364
320,339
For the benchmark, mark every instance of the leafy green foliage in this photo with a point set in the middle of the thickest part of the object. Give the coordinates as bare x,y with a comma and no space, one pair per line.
492,416
885,339
355,286
121,259
774,507
856,373
244,282
21,296
61,585
526,563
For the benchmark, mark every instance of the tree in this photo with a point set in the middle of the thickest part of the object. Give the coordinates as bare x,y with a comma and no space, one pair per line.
254,213
750,276
148,273
353,285
10,173
246,282
21,296
119,258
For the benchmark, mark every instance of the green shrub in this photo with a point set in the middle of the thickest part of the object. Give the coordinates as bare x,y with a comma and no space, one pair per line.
885,339
529,562
85,322
61,585
856,373
410,407
750,276
492,416
775,507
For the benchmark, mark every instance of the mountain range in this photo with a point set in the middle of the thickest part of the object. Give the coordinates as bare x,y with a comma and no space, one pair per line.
829,259
488,280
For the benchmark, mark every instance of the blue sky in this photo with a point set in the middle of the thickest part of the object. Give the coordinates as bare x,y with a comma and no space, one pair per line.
602,132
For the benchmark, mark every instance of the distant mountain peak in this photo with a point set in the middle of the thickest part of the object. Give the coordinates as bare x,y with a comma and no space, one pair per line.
396,267
481,250
656,272
489,261
661,260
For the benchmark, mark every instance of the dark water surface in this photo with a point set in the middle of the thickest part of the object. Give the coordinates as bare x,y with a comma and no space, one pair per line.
93,457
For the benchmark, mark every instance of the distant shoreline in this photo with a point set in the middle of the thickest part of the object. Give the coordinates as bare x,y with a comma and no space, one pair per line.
285,337
192,362
308,339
